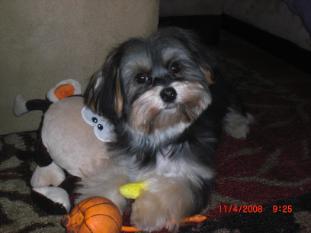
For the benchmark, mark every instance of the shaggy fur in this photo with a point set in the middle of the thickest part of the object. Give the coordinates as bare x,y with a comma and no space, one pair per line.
168,105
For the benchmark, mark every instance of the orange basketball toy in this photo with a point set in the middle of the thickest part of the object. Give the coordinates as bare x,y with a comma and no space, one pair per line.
100,215
94,215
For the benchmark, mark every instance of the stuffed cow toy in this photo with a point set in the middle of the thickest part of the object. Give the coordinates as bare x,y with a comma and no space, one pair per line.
71,140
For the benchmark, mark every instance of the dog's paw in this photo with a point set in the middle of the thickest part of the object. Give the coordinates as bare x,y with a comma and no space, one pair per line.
150,214
237,125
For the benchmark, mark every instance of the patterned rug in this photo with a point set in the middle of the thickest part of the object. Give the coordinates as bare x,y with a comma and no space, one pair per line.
263,183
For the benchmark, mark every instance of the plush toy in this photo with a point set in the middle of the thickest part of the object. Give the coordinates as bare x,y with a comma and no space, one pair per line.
71,140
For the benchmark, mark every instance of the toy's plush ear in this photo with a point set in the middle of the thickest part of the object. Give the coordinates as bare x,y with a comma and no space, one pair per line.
63,89
104,93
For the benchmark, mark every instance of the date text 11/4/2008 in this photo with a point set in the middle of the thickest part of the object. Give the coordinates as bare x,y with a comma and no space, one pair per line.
255,209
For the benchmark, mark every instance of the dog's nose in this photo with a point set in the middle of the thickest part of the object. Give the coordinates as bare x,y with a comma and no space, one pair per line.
168,94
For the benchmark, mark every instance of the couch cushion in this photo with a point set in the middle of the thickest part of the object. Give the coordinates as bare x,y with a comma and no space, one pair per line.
43,42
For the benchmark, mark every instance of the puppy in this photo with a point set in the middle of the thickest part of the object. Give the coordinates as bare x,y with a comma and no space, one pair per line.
168,106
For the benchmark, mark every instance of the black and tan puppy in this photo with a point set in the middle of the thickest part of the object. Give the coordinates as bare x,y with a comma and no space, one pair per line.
168,106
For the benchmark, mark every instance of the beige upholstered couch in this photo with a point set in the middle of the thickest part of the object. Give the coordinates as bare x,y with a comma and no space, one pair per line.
44,41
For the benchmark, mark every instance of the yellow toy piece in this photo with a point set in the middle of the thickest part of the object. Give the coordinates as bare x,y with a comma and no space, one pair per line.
133,190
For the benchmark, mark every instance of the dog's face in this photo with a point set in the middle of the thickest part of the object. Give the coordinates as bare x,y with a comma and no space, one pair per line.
156,86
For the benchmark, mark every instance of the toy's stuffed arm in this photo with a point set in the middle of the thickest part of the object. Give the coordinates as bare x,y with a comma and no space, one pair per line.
21,106
61,90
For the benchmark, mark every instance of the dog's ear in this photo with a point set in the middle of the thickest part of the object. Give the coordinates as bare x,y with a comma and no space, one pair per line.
208,74
199,52
104,93
206,61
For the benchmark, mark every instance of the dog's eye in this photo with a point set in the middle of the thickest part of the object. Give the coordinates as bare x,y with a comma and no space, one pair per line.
143,79
175,67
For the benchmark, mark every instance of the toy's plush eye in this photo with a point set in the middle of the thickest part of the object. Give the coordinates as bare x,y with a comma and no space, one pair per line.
88,116
143,78
104,130
94,119
100,127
